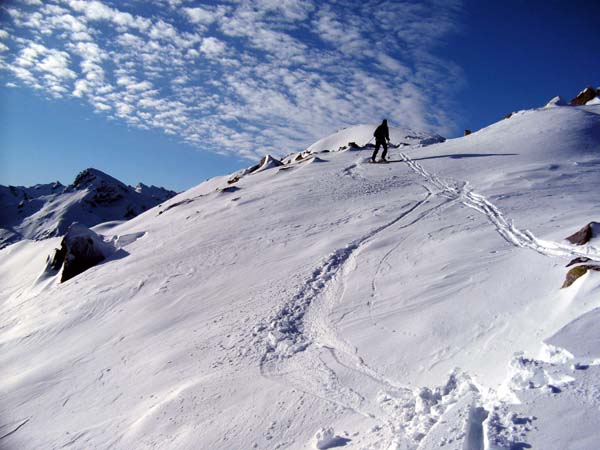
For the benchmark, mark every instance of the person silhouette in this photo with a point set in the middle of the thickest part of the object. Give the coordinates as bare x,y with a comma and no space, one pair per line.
382,137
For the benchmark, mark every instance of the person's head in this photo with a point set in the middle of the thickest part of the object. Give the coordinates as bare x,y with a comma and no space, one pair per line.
384,122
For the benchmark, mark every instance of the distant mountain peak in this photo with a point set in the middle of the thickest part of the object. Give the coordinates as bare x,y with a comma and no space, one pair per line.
47,210
91,176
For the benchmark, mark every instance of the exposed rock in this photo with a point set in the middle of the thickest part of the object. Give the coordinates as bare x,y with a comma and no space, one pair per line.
80,249
229,189
576,272
266,162
234,179
468,132
585,96
580,260
508,116
583,236
353,145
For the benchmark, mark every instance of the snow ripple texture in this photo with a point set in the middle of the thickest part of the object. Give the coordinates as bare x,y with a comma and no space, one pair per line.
408,416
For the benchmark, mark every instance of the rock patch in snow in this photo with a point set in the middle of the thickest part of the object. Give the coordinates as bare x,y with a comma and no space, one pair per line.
586,234
585,96
577,272
80,249
229,189
578,260
266,162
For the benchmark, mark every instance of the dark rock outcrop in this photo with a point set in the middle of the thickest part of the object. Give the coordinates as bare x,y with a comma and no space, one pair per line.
80,249
577,272
579,260
583,236
468,132
228,189
585,96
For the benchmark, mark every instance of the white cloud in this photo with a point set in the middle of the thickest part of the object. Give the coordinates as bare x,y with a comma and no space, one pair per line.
101,106
81,87
141,86
212,47
57,63
251,76
200,15
97,11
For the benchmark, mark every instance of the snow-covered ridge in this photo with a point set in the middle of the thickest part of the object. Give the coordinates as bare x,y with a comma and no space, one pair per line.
362,135
323,301
94,197
359,137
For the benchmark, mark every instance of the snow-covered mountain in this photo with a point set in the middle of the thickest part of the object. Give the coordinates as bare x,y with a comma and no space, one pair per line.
325,301
47,210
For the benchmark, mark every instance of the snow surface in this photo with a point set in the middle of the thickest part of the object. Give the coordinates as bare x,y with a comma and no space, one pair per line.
594,101
328,303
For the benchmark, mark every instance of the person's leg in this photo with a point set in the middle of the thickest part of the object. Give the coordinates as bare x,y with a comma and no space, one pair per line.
384,154
377,144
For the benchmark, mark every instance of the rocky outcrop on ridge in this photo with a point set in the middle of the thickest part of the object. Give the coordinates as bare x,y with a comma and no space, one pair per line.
585,96
80,249
586,234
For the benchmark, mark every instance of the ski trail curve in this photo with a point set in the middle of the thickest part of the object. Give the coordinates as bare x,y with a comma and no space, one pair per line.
307,353
285,332
505,227
303,347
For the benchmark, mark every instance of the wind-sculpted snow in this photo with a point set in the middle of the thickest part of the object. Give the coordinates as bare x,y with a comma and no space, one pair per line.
328,303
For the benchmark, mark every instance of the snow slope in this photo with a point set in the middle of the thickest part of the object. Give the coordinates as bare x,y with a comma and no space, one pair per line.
47,210
329,302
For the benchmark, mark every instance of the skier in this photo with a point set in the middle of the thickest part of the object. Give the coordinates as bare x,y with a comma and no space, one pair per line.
382,137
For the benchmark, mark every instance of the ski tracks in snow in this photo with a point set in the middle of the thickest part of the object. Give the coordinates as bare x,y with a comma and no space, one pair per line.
503,225
304,349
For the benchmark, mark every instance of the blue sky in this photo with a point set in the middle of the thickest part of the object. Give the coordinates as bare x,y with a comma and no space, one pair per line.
171,92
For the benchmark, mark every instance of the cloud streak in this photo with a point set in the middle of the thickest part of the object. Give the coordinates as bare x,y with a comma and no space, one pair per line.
242,77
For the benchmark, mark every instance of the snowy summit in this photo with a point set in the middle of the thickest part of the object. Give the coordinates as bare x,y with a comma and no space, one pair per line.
47,210
322,301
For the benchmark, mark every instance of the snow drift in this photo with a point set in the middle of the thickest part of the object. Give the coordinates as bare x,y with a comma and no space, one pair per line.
413,305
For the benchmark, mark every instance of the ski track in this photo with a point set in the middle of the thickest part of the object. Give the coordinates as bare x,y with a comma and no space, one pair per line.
297,345
285,335
290,332
504,226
